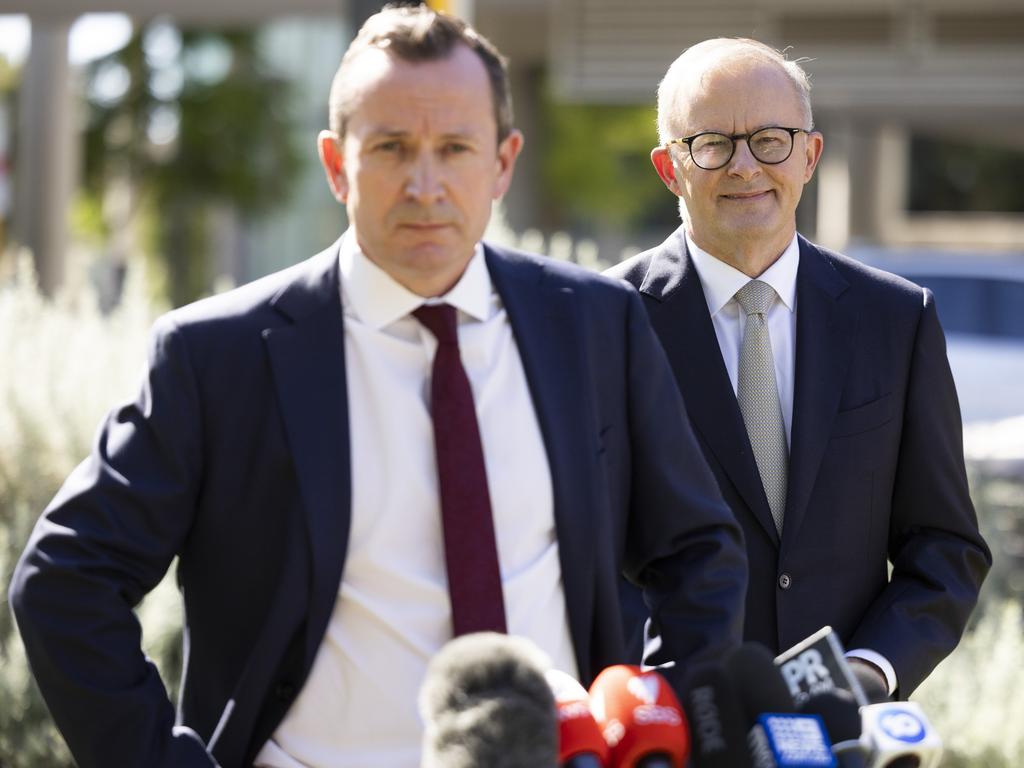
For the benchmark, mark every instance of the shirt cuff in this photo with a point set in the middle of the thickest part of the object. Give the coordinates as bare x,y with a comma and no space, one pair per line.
879,661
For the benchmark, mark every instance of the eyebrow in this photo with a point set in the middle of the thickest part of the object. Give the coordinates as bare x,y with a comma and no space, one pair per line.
399,133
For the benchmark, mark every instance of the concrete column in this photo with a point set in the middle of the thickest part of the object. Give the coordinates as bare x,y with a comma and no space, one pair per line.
45,171
833,215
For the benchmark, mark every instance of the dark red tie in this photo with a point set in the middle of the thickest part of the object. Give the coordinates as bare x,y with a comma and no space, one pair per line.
470,552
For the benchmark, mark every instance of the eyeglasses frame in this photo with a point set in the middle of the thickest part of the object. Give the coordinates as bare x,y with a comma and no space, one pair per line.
688,141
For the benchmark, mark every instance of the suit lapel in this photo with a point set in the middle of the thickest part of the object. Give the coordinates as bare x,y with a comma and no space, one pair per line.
308,362
545,323
825,327
679,314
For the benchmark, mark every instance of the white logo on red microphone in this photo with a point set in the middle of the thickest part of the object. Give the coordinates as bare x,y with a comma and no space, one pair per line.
644,687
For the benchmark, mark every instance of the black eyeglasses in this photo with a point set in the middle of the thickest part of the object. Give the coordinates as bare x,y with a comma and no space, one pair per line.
711,150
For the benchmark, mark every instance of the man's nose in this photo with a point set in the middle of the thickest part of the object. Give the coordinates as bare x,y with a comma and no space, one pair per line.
426,179
743,163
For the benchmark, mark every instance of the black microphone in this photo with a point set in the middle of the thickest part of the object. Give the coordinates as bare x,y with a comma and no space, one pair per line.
838,710
718,728
779,737
818,664
486,702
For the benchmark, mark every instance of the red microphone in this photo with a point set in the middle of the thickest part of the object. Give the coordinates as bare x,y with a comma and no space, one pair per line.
580,743
640,718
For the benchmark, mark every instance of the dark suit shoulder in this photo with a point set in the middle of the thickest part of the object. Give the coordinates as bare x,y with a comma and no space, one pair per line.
876,285
266,301
563,273
634,269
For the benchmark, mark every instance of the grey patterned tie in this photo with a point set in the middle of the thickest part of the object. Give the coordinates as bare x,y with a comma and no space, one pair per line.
758,396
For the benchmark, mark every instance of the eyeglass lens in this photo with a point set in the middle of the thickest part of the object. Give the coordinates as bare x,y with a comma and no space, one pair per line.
768,145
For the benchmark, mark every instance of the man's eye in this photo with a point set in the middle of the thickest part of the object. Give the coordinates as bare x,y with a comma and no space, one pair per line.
455,148
389,146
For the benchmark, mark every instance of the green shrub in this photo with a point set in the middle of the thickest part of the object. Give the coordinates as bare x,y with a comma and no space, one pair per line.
64,364
973,698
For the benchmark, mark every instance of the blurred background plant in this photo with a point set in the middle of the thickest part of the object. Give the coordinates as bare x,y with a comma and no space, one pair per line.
65,363
183,126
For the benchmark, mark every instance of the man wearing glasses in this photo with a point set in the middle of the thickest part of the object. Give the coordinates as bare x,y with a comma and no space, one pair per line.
818,388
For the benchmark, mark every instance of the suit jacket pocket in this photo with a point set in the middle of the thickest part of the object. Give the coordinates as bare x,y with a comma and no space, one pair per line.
863,418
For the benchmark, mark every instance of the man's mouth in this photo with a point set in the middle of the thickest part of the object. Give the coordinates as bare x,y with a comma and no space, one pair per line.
747,195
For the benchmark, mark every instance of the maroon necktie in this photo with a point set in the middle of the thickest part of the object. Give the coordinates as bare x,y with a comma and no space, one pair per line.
471,555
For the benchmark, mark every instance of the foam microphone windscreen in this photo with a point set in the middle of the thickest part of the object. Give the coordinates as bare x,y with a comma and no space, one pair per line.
717,724
640,717
758,682
580,742
486,703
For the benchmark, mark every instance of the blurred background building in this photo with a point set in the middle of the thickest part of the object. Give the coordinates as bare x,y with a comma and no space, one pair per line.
921,105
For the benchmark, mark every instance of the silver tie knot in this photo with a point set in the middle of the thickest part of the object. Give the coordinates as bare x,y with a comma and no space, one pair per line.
755,297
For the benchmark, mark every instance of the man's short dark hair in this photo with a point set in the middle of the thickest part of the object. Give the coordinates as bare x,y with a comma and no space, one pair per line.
415,34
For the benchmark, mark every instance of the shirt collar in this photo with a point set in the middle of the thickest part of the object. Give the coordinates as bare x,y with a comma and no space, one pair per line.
378,300
720,281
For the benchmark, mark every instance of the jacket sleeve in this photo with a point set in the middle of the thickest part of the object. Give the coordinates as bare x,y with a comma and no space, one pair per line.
107,539
939,559
684,547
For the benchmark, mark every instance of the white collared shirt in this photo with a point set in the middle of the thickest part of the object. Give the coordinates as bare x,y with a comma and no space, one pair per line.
720,282
358,707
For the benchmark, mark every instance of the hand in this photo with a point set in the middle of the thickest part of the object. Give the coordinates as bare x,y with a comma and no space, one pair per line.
871,679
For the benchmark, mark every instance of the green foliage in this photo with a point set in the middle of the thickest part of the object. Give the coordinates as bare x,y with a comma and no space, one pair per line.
597,168
64,365
188,120
973,698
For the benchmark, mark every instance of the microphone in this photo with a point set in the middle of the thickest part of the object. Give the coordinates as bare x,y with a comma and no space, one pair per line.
717,725
758,682
485,702
818,665
898,735
580,743
838,710
778,736
640,718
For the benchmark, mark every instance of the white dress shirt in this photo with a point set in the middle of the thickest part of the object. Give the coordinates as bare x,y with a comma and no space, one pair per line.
358,707
720,282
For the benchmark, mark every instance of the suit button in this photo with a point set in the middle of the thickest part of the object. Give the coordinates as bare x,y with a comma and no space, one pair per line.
284,690
785,581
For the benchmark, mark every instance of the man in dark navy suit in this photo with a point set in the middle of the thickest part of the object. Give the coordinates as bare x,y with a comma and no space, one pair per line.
818,388
409,436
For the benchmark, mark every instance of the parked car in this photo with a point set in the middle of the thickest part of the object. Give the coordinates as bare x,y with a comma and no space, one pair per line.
980,300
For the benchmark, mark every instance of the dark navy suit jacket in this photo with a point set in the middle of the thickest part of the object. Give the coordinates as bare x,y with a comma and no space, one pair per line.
876,460
235,458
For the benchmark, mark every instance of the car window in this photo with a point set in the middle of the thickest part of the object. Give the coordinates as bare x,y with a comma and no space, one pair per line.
987,306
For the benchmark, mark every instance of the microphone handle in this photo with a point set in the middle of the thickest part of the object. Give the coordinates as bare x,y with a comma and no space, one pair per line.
583,760
655,760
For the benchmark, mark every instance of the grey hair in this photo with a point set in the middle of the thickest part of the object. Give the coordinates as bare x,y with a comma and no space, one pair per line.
710,54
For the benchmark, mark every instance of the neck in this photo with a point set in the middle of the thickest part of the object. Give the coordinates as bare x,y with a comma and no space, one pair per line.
750,258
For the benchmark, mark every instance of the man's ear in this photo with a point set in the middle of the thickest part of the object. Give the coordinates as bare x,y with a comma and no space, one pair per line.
333,160
815,146
662,159
508,151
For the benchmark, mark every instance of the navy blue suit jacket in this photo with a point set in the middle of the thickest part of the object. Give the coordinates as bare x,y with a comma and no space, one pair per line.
876,460
235,458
